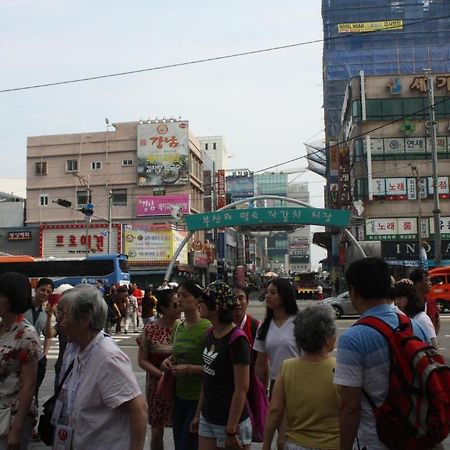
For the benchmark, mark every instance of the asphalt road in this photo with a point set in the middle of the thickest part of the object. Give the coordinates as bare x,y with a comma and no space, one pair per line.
128,344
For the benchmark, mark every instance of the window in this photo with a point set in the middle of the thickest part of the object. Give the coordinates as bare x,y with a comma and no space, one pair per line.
119,197
71,165
214,146
83,197
43,200
96,165
127,162
41,168
206,146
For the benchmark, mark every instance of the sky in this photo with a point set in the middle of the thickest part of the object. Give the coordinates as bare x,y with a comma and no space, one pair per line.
265,105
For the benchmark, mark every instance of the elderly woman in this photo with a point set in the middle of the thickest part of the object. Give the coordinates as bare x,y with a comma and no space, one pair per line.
101,390
304,389
18,362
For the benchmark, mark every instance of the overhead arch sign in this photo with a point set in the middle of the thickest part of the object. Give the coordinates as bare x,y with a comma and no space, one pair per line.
267,216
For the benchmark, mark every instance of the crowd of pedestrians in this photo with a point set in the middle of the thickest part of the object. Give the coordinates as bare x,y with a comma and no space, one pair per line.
202,354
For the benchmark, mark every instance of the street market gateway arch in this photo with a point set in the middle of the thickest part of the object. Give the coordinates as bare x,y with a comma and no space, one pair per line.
265,219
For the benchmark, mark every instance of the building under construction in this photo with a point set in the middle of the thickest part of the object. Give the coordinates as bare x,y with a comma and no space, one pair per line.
380,37
374,53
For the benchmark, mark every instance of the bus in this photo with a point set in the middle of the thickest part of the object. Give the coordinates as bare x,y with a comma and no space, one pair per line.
109,269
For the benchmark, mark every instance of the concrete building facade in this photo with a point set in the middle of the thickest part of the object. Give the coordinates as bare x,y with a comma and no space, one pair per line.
141,177
392,185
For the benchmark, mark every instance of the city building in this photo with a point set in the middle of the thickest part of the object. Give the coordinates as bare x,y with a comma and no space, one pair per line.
373,37
386,121
139,178
216,148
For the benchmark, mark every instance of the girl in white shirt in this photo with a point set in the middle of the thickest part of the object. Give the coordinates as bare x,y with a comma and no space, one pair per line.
409,302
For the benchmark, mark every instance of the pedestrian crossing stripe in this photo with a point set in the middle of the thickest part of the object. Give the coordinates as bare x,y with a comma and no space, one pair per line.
53,351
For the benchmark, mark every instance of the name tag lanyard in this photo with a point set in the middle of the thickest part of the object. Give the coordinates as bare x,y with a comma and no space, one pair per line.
76,379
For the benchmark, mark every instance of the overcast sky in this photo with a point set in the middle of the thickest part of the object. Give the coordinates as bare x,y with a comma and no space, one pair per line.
265,105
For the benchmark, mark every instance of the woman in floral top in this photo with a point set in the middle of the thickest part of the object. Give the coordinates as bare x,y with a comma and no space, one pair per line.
154,347
19,349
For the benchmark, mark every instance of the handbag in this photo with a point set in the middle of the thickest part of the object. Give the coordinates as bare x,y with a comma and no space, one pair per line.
256,402
5,421
46,429
165,389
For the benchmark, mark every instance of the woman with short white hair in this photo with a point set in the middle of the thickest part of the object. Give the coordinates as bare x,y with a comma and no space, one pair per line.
101,389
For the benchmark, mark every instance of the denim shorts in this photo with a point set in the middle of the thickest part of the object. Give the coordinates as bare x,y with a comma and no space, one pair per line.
211,431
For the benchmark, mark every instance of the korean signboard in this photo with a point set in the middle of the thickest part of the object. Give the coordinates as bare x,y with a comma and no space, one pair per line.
163,153
19,235
158,205
344,183
391,228
367,27
221,183
267,216
63,241
153,243
419,83
400,145
405,188
445,226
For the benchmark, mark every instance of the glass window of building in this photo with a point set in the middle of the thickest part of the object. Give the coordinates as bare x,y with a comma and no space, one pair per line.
43,199
83,197
71,165
41,168
119,197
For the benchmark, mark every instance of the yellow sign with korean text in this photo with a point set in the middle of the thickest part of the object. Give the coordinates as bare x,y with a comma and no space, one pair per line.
367,27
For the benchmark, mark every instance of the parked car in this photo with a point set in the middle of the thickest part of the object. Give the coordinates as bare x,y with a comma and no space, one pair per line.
342,305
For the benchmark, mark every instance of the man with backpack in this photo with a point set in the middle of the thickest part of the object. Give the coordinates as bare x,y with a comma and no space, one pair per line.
363,361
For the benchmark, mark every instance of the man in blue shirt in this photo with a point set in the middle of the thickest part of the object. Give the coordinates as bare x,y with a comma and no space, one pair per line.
363,360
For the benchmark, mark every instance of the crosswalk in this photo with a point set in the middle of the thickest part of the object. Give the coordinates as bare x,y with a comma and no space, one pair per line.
54,348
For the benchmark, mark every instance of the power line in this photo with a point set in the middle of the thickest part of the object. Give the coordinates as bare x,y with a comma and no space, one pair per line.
345,141
211,59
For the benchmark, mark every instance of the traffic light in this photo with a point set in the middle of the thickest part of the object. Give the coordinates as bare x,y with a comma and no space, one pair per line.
88,209
64,202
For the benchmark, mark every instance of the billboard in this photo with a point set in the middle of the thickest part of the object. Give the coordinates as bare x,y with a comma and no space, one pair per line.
163,153
368,27
153,243
161,205
240,185
63,241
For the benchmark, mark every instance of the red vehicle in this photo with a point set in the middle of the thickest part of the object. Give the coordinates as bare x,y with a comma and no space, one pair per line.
440,287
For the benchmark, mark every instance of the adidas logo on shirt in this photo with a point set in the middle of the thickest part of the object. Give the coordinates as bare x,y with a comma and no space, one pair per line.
209,357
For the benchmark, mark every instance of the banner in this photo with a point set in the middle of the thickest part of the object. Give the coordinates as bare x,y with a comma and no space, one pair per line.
151,205
163,153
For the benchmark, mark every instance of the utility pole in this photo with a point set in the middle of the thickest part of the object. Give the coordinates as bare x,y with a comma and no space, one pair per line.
416,174
436,210
109,221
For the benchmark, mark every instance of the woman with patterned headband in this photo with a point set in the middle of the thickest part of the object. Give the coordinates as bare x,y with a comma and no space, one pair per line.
221,418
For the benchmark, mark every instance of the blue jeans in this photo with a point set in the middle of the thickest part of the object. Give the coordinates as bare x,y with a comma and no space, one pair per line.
183,413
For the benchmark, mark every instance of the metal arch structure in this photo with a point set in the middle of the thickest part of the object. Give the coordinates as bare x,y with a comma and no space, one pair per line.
253,199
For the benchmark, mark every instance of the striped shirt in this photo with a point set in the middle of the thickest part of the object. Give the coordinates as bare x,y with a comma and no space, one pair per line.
363,361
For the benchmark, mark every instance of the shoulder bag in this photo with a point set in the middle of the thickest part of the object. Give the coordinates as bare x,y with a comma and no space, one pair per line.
46,429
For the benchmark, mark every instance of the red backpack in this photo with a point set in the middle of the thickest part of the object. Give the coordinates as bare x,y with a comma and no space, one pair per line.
416,412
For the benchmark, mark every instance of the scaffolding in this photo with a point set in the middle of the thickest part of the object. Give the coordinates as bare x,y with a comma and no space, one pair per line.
380,37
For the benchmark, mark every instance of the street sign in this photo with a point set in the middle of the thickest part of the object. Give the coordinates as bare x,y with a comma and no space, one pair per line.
267,216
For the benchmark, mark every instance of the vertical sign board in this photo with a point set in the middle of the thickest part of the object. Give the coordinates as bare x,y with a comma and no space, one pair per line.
163,153
221,189
344,199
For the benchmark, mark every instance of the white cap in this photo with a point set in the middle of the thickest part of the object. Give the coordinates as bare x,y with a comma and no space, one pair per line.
63,288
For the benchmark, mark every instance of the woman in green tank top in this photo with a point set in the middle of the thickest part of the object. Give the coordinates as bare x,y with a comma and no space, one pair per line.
186,363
